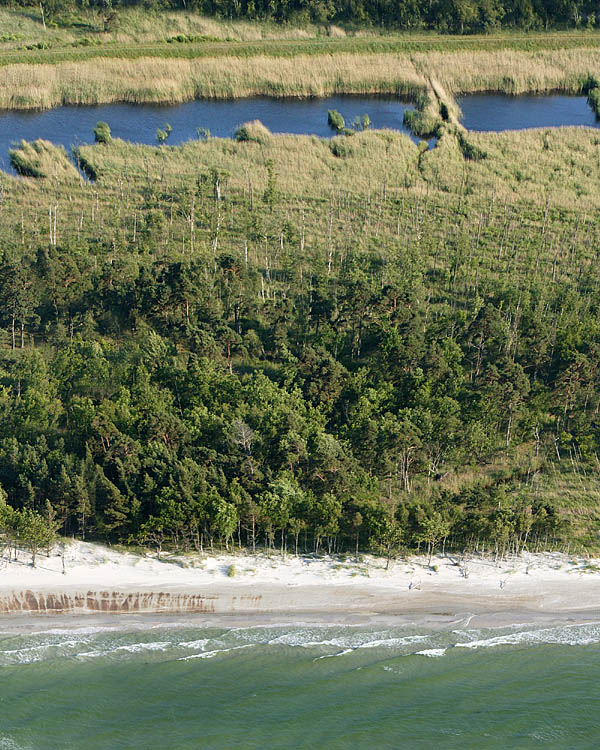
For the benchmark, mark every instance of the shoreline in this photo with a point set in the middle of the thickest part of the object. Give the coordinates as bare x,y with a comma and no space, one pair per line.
101,583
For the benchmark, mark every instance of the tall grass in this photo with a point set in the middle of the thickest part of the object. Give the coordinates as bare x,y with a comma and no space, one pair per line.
511,72
306,166
42,159
153,80
142,34
534,167
556,165
429,75
20,27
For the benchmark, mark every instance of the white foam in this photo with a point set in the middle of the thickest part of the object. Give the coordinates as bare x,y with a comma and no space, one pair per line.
432,652
194,644
31,654
135,648
570,635
353,640
331,656
7,743
132,648
78,631
395,642
216,652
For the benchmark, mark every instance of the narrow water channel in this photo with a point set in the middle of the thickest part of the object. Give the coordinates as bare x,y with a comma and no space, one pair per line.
72,126
138,123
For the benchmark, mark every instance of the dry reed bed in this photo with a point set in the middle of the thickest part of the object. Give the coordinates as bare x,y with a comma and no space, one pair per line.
161,80
305,166
175,80
510,71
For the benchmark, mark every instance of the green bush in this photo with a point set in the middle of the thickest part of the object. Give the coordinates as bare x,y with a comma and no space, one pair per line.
421,124
102,133
335,120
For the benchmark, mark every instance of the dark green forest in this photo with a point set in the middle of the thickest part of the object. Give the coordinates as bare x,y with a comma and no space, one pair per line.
217,366
446,16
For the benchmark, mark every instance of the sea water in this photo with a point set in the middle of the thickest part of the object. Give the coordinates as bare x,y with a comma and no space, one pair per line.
181,686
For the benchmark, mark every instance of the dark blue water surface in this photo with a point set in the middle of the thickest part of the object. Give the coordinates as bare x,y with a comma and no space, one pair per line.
496,112
138,122
72,126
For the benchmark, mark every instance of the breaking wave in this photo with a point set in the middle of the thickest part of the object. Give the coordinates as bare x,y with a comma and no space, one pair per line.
321,641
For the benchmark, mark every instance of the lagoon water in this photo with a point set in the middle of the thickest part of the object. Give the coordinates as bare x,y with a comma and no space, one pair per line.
138,123
299,686
497,112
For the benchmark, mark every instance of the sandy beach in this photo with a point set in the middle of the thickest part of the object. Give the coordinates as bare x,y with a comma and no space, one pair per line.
244,588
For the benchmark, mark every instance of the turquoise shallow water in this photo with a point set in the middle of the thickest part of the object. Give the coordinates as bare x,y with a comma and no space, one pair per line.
301,686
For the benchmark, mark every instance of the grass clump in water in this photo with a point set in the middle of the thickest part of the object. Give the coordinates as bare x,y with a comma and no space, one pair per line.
335,120
102,133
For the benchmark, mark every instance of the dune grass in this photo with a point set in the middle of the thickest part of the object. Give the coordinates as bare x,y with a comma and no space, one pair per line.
42,159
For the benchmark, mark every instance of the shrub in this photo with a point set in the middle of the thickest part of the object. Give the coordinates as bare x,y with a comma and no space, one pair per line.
361,123
162,135
335,120
421,123
102,133
231,571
